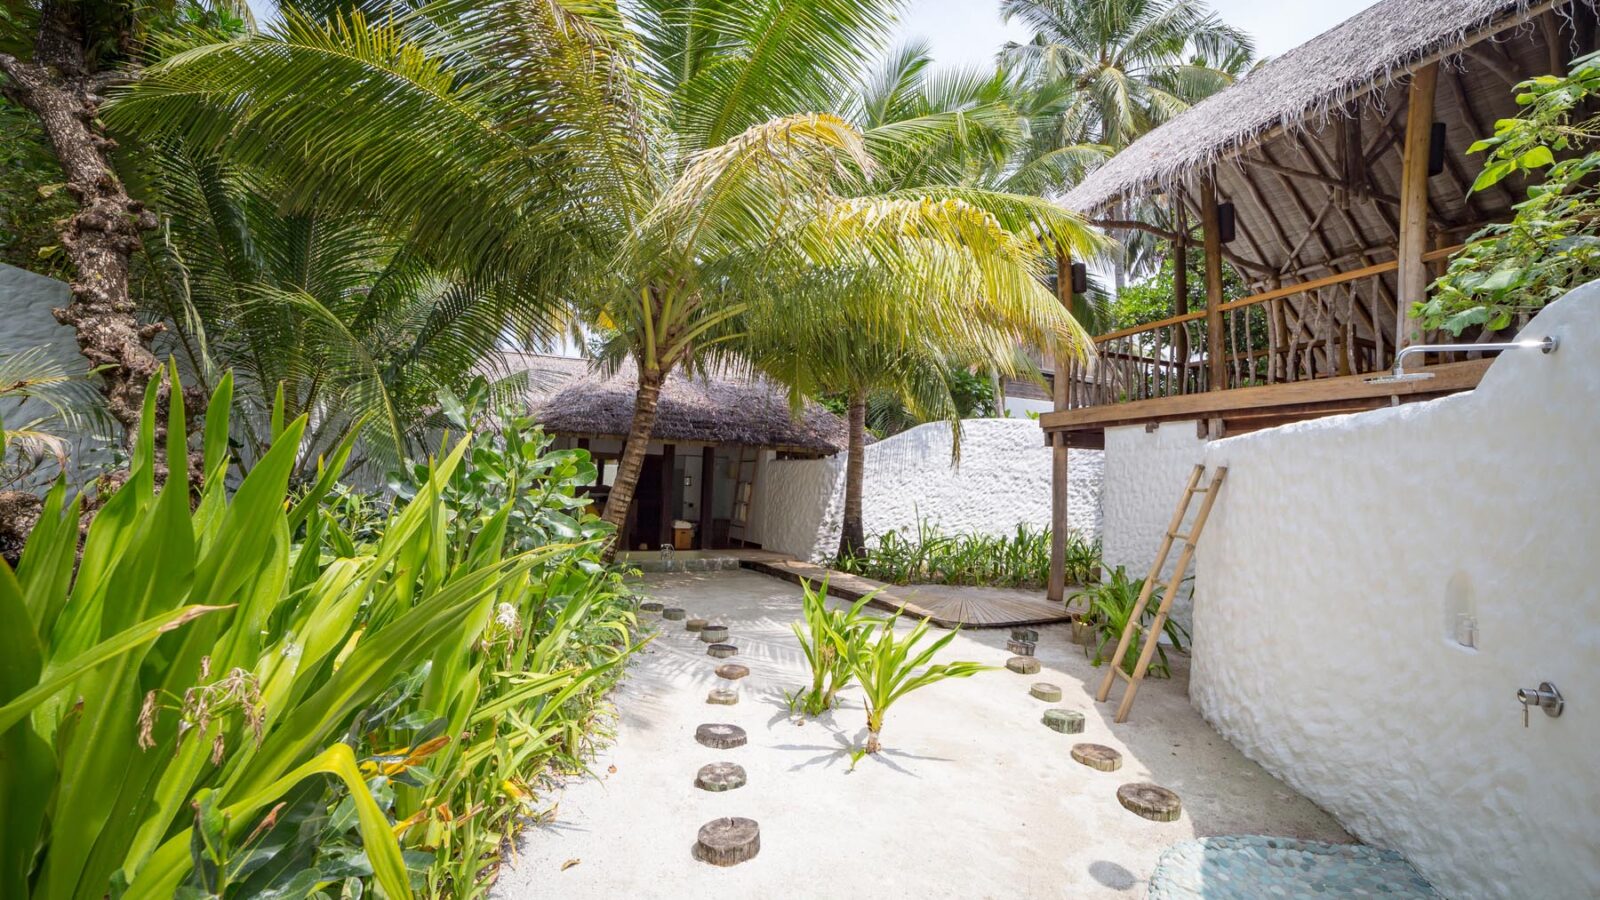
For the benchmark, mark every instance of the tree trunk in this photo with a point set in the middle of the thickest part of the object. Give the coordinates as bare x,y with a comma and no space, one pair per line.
102,236
852,537
645,405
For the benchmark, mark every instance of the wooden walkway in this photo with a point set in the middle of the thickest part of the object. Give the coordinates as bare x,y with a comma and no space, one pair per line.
945,606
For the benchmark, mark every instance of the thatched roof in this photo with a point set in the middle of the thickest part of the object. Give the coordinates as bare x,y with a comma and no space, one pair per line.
570,398
1360,58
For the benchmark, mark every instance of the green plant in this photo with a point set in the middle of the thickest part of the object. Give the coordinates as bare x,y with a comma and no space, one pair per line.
830,640
172,705
1550,245
1020,559
887,670
1110,607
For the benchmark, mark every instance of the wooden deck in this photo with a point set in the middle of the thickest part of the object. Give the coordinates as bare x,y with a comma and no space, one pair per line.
1248,409
945,606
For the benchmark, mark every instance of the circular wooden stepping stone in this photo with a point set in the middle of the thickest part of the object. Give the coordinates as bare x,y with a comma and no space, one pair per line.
1151,801
1025,634
1066,721
1023,665
694,625
720,735
722,651
1097,756
714,634
673,613
1045,691
650,606
731,671
720,776
728,842
722,697
1020,648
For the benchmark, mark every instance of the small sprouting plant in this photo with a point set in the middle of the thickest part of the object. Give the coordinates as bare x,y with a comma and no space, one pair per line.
829,638
888,671
1110,607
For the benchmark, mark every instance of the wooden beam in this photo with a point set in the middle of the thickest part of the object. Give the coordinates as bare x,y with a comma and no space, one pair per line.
1056,588
1180,287
664,521
1447,378
1216,374
1413,278
708,484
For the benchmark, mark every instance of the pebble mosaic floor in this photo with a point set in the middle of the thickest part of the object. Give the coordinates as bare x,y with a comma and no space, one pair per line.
1253,867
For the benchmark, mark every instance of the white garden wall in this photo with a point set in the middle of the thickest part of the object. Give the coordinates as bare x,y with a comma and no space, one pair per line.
1332,578
1003,480
1145,473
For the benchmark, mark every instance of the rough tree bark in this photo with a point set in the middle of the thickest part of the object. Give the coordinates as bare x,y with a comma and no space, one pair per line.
59,86
646,402
852,537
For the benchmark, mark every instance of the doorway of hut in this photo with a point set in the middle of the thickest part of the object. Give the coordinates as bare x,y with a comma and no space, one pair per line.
684,499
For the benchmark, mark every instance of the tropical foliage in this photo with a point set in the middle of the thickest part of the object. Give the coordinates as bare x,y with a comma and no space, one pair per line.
1019,559
1550,245
172,702
687,179
1110,607
888,670
830,638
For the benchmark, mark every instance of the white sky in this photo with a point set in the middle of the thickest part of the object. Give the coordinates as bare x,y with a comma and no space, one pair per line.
967,32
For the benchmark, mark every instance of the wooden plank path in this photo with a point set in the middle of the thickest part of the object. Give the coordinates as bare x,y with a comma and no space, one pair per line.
946,607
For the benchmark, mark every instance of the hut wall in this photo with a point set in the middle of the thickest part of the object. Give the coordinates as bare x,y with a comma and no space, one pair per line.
1346,563
1003,480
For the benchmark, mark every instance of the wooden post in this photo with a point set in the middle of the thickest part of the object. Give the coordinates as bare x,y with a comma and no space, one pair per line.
708,471
1216,361
1180,293
1056,589
668,488
1413,275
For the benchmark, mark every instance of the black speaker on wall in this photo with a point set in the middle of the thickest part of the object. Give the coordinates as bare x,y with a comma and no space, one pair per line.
1436,150
1080,278
1227,222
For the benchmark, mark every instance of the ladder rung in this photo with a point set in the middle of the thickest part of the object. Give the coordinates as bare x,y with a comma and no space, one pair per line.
1121,674
1178,537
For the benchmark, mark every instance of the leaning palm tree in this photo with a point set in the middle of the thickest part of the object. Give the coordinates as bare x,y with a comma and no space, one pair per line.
670,171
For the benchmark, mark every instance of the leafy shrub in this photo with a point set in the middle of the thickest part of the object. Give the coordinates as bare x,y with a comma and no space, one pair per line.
1020,559
830,640
887,670
172,705
1550,246
1110,606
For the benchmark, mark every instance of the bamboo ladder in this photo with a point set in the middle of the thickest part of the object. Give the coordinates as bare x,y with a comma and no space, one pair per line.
1114,671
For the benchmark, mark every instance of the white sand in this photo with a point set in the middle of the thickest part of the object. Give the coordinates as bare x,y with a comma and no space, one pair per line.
972,796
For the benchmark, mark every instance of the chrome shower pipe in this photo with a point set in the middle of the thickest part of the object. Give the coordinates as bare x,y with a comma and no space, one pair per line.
1547,344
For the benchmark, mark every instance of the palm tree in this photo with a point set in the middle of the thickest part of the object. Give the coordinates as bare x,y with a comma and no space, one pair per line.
350,324
57,58
669,172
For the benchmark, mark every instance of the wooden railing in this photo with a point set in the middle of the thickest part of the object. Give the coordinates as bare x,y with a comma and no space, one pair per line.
1346,329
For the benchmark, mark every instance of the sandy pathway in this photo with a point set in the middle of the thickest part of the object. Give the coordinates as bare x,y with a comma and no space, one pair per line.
973,797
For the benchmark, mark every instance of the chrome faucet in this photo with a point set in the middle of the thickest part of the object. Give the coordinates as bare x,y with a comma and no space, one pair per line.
1545,696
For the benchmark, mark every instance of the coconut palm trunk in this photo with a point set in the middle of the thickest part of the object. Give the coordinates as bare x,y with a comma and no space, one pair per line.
852,537
646,403
61,86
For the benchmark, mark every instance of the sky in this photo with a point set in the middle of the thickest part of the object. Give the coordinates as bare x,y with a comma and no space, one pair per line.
967,32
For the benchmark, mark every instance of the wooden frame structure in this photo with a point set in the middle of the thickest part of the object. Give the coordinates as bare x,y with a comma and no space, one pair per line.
1344,210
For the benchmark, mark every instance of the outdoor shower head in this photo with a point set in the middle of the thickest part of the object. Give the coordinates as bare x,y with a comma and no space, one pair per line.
1546,344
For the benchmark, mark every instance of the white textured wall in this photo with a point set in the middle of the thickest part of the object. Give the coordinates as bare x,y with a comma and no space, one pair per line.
1337,559
1145,472
1003,480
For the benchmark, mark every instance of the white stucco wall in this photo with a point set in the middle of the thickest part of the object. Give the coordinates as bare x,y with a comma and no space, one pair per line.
1145,473
1003,479
1330,580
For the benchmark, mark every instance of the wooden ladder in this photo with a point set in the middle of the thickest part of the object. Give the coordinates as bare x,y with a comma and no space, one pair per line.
1132,628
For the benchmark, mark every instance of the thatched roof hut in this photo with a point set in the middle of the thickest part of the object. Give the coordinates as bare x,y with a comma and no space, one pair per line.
569,398
1329,116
